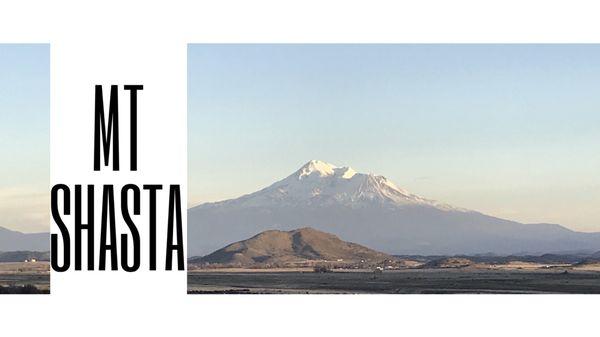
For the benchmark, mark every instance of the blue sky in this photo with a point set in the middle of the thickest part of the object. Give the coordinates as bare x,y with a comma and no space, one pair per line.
509,130
24,136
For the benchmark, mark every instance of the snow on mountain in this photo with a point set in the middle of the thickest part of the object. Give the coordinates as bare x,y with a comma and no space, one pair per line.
372,211
323,184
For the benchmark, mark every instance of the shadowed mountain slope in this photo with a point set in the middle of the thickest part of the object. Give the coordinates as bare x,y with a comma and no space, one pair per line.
17,241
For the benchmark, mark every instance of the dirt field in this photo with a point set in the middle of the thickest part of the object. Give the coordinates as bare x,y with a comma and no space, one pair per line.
16,275
423,281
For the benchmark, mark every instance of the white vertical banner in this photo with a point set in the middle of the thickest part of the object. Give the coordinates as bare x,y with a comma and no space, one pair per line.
77,69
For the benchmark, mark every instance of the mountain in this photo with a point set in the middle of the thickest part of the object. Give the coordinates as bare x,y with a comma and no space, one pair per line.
17,241
276,247
372,211
320,184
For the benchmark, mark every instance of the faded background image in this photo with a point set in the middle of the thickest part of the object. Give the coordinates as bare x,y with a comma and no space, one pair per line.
25,168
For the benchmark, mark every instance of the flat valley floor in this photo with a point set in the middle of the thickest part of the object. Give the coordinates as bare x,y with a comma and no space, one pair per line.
24,278
413,281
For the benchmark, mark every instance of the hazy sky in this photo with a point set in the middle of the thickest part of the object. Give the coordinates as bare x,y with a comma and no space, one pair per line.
24,137
509,130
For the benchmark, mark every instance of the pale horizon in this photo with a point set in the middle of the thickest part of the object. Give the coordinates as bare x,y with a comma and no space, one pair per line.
510,131
24,137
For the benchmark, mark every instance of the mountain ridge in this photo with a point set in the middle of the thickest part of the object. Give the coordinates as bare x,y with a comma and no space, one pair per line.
372,211
17,241
319,181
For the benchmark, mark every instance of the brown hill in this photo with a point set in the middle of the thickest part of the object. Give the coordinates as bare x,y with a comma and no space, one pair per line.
274,247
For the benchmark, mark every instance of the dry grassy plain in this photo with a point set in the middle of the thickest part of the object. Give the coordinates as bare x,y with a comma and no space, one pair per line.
511,278
19,274
25,267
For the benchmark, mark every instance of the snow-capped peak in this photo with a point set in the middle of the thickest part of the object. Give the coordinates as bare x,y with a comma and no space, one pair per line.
346,172
318,183
318,168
